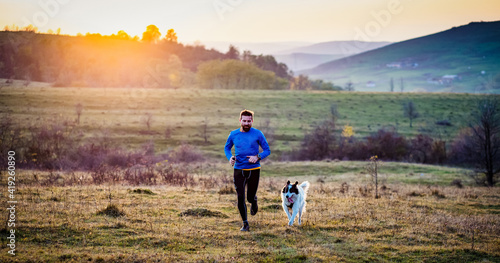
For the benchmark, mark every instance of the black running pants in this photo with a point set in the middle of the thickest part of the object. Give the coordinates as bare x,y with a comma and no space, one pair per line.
250,179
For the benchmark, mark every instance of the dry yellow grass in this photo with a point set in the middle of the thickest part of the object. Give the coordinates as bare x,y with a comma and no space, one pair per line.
409,223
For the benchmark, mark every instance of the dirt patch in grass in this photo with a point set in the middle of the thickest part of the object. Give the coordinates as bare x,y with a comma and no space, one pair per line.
202,212
272,207
143,191
112,211
226,190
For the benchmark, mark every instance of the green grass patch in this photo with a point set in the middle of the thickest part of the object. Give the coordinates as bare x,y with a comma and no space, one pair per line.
337,227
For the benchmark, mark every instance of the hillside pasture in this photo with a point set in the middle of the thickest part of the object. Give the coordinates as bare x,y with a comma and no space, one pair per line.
191,115
426,213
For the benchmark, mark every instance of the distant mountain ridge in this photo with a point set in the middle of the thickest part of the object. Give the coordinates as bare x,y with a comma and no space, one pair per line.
301,61
467,54
300,55
309,56
257,48
344,48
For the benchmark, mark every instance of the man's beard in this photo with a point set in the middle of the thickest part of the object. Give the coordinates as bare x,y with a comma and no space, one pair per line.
246,128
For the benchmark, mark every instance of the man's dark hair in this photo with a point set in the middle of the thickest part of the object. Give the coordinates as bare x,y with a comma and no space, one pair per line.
246,113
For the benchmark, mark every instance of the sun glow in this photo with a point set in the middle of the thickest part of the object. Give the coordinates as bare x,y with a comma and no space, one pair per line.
293,20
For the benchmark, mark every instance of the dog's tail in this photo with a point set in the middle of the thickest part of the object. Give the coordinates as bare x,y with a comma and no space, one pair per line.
305,186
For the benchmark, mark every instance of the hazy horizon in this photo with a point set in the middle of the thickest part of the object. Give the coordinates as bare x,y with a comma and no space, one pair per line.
252,21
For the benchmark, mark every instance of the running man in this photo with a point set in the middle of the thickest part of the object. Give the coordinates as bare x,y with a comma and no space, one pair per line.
246,162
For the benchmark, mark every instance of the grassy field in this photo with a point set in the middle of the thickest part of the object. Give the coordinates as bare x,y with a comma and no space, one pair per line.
62,216
411,222
119,114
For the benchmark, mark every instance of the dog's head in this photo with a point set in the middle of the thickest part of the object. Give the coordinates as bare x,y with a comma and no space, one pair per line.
290,191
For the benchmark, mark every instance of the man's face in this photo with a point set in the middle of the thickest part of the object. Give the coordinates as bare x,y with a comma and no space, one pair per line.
246,122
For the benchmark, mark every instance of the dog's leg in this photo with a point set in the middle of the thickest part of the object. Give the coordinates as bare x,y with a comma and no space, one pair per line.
285,208
294,214
300,215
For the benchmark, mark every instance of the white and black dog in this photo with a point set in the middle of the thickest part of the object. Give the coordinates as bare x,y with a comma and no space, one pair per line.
294,197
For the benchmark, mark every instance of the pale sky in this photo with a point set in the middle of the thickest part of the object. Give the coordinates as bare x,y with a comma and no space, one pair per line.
252,20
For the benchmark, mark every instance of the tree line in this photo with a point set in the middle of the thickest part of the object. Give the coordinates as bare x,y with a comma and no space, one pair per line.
120,60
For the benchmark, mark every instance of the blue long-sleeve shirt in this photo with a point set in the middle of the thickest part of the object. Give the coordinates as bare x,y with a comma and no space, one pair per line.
246,144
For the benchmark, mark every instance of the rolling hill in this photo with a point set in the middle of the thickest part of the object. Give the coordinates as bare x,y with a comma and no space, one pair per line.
335,48
301,61
310,56
461,59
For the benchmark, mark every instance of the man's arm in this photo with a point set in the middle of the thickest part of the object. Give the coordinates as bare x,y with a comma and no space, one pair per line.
228,147
266,151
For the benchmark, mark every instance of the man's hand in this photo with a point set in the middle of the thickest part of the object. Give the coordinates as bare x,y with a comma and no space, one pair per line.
253,159
232,160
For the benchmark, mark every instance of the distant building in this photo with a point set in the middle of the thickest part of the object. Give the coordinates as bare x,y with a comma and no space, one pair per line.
448,79
394,65
370,84
450,76
444,80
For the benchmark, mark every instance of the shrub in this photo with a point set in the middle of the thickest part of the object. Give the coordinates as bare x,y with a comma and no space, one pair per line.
416,194
420,149
111,210
186,153
104,174
226,190
344,188
140,174
9,140
351,149
230,74
47,145
319,143
438,194
444,123
175,175
387,145
438,152
457,183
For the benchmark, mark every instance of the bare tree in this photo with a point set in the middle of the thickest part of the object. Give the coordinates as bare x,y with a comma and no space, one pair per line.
78,109
482,146
148,120
205,130
334,112
168,133
349,86
372,169
268,130
410,111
